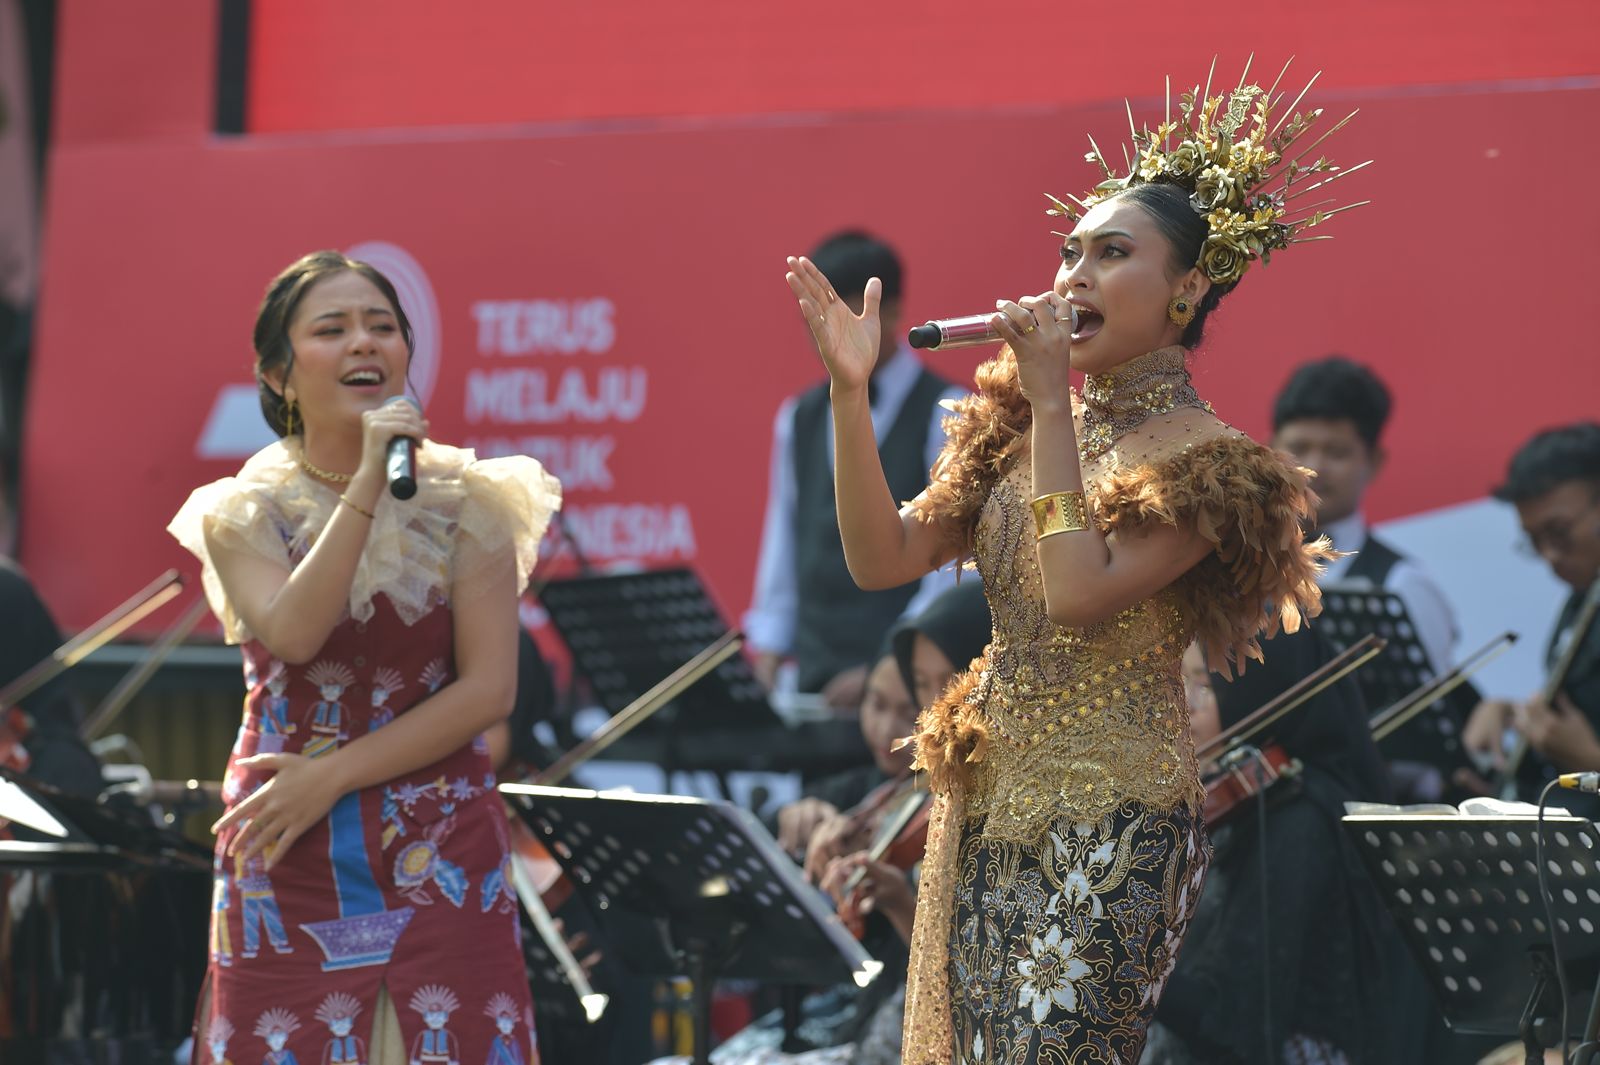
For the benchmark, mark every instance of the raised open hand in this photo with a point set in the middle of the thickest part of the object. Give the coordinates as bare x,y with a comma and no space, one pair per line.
847,342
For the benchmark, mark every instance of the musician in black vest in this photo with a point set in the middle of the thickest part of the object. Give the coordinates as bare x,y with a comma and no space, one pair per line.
1554,482
806,606
1330,416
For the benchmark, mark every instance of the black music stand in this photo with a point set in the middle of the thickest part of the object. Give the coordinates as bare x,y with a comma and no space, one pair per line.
86,833
626,631
1465,892
692,887
1433,737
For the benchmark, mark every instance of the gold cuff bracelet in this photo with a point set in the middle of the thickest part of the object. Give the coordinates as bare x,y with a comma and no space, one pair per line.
1059,512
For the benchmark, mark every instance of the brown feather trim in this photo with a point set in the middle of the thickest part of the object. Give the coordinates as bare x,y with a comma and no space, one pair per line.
1252,505
952,734
982,438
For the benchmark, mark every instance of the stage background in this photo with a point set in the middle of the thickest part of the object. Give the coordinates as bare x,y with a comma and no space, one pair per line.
588,207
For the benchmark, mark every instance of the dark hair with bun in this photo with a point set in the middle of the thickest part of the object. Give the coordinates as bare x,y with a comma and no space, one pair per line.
1186,230
284,293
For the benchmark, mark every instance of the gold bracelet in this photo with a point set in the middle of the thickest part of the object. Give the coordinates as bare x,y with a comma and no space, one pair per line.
1059,512
359,510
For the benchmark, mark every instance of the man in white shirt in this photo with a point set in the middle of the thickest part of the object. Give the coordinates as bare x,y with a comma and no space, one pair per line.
805,605
1330,417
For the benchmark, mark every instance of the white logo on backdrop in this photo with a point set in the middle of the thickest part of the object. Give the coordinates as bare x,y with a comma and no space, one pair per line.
235,427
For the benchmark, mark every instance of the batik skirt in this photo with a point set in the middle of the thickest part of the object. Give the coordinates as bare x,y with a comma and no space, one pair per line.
1060,948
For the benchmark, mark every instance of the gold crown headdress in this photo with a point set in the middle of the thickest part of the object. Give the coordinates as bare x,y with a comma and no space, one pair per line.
1236,166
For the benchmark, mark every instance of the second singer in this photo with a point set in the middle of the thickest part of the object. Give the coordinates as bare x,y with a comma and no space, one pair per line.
1066,849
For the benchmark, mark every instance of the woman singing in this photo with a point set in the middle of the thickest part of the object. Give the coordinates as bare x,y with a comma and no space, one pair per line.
1066,851
362,907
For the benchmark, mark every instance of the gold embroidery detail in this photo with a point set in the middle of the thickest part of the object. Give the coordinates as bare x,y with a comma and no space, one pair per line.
1007,778
1114,403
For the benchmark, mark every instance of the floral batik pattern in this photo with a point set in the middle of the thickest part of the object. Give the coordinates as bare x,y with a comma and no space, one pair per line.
1060,949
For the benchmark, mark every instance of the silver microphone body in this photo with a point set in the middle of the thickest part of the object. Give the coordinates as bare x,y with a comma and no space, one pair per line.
966,332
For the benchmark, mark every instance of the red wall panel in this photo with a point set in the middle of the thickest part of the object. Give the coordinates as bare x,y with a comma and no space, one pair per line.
384,63
1466,283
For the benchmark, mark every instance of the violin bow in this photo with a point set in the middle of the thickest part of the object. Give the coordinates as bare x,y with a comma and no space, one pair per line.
91,639
119,697
1330,672
898,817
593,1003
635,713
1409,706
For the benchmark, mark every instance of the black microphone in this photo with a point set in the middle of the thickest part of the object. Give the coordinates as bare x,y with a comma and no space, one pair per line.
967,332
401,465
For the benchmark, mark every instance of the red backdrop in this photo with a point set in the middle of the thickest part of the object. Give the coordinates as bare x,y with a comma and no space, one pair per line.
384,63
611,298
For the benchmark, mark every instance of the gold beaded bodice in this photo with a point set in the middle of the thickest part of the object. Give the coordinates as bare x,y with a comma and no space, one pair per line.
1079,720
1054,721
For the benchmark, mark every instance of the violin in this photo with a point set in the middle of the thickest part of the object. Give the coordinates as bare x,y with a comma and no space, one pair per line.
901,808
1244,773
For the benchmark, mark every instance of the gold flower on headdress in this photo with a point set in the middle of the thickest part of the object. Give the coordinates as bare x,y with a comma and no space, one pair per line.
1217,186
1223,260
1236,166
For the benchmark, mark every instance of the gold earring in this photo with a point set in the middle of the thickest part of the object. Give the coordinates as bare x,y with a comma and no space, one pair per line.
1181,311
290,409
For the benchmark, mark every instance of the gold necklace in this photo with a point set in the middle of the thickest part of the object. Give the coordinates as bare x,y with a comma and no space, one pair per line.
327,475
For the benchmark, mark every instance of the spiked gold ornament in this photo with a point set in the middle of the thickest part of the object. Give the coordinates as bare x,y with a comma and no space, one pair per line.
1241,170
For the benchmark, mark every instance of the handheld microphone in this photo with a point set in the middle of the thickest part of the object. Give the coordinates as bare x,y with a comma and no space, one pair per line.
401,463
967,332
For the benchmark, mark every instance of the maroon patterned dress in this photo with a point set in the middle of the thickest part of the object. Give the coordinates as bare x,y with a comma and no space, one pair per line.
404,886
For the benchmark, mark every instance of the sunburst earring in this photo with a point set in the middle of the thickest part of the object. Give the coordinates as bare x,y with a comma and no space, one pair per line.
1181,311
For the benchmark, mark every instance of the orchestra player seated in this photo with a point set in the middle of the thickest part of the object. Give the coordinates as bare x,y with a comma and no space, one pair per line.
1290,944
887,713
927,650
846,1023
1554,483
836,1022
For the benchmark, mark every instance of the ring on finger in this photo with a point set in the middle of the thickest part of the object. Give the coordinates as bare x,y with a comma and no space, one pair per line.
1030,328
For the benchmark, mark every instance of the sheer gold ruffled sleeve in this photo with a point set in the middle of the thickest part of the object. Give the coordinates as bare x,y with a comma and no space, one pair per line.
471,522
508,506
1252,505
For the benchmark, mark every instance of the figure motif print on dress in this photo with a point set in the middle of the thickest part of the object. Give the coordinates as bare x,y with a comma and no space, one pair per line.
339,1011
390,870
